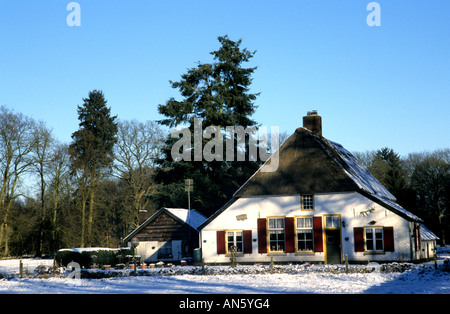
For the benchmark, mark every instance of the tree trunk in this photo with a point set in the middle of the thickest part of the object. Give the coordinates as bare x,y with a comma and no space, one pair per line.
83,221
91,215
43,214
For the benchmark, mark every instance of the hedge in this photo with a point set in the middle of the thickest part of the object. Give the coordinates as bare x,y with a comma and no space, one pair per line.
95,256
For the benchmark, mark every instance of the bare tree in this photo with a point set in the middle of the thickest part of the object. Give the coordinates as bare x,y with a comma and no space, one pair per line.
16,145
59,181
139,144
41,158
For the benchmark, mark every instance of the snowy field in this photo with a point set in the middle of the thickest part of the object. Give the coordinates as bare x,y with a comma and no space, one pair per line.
289,279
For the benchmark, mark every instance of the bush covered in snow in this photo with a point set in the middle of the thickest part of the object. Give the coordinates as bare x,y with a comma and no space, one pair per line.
227,270
45,269
255,270
397,267
87,257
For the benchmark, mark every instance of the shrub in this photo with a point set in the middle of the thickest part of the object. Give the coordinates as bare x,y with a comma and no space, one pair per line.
95,256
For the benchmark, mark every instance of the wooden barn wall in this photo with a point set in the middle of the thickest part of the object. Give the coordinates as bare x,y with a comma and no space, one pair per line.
165,228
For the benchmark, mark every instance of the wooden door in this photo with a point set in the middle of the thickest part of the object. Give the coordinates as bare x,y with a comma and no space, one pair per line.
333,246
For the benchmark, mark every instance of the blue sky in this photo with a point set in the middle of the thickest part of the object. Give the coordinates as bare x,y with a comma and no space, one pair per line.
377,86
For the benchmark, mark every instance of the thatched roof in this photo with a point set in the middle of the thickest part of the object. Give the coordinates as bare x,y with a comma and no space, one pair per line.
309,163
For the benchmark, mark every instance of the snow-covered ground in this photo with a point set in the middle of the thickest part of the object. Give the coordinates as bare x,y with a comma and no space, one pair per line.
423,279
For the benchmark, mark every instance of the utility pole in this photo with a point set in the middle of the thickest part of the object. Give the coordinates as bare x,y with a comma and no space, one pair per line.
189,187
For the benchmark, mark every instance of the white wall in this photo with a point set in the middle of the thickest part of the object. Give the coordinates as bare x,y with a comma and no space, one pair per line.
427,249
148,250
351,206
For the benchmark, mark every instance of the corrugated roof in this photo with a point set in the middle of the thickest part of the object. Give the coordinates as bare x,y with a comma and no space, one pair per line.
426,234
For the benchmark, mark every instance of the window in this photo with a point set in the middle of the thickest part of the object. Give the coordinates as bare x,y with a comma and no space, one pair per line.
240,239
165,250
308,202
305,234
235,239
374,239
332,222
276,235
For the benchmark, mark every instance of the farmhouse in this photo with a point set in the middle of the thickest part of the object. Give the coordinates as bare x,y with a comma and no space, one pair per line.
321,205
169,235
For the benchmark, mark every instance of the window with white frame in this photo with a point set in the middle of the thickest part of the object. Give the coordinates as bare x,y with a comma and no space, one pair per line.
308,202
305,234
276,234
374,239
235,239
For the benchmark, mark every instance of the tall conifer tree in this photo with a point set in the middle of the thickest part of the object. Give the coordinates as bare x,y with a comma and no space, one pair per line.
219,94
91,152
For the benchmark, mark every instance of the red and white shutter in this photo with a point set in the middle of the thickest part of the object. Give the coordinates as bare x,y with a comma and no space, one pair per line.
289,233
318,237
248,246
262,235
358,236
221,249
388,239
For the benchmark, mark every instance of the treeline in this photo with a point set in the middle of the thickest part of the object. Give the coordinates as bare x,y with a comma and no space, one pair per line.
89,192
50,199
419,181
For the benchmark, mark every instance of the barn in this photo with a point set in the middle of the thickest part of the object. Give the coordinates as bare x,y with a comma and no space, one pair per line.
321,205
169,235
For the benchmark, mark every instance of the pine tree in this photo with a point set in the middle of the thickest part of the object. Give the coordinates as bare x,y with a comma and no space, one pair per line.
91,152
388,169
219,94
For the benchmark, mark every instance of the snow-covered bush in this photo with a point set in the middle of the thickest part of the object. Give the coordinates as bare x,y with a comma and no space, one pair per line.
396,267
90,256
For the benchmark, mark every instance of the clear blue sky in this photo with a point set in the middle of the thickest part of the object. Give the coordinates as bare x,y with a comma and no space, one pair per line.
373,86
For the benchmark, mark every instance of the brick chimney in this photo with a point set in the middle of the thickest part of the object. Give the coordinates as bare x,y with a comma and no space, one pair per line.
312,121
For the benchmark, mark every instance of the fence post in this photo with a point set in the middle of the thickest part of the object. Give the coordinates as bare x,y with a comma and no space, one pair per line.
435,258
21,269
346,263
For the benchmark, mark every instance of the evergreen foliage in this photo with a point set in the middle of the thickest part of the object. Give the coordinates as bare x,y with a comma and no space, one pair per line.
92,151
93,143
89,193
219,94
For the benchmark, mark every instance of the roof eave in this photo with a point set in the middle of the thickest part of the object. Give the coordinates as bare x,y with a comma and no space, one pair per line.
152,218
379,201
217,213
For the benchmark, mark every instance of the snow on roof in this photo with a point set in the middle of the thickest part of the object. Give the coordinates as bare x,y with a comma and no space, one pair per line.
396,207
325,167
195,219
366,181
89,249
360,175
426,234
